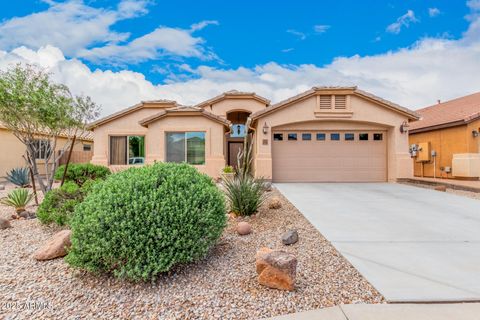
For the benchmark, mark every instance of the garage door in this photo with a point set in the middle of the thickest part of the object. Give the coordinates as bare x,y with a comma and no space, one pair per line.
329,156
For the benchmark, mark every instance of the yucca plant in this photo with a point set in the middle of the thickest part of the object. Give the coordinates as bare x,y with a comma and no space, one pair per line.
19,177
245,194
18,199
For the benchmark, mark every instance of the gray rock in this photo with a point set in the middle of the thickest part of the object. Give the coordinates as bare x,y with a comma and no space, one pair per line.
290,237
4,224
24,214
2,187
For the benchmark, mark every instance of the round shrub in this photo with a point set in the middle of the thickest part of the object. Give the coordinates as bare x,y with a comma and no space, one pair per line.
143,221
82,172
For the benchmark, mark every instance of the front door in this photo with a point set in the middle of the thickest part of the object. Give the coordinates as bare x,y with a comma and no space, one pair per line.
233,150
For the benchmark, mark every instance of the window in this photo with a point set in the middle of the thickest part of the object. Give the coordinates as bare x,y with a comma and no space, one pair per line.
238,131
292,137
306,136
321,136
335,136
349,136
42,149
363,136
87,147
127,150
186,147
278,137
378,136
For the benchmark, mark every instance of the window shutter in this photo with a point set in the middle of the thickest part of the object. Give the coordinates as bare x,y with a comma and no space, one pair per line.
325,102
341,102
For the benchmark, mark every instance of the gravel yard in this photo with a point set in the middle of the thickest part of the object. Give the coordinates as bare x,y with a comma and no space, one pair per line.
222,286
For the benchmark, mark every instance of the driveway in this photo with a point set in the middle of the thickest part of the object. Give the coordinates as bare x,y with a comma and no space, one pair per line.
412,244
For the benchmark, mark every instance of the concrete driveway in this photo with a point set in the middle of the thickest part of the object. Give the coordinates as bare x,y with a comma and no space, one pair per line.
412,244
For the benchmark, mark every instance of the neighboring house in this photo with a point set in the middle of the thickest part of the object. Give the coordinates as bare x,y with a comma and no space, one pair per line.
448,138
12,151
323,134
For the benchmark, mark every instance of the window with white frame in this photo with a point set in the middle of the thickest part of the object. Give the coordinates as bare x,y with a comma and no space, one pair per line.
186,147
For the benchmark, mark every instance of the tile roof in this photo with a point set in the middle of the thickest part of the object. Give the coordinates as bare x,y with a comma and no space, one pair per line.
85,135
354,90
447,114
183,109
232,93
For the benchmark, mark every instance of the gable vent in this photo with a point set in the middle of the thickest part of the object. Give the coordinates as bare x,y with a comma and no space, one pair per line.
325,102
341,102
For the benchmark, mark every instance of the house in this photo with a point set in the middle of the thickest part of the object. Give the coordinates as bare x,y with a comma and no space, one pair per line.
323,134
13,150
447,137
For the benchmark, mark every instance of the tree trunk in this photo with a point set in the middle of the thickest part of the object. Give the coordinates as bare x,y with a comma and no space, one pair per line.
68,160
33,186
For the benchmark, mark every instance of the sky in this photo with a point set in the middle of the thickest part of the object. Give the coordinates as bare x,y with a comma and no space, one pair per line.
412,52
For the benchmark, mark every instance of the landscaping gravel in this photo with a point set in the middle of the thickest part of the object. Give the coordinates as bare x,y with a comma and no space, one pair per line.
221,286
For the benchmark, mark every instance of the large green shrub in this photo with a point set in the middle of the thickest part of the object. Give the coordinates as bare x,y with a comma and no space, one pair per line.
58,206
81,172
245,194
143,221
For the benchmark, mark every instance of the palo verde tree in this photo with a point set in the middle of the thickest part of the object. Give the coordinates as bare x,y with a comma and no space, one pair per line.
39,111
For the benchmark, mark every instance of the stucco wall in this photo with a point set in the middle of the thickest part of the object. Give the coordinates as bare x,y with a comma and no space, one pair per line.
365,113
222,107
446,142
12,151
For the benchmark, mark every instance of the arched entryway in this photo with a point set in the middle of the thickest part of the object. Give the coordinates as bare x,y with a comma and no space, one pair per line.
238,118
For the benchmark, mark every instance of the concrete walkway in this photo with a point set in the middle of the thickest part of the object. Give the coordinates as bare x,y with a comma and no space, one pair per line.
412,244
465,311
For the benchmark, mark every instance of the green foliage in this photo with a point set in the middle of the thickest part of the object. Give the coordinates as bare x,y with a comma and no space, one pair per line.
145,220
58,206
82,172
245,194
19,177
228,169
18,199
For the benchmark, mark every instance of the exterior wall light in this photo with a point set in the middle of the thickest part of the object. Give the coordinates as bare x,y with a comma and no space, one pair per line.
265,128
404,126
475,133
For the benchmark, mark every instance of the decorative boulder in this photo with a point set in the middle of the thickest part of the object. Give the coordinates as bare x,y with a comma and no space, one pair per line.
441,188
2,187
55,247
274,203
26,215
244,228
290,237
276,269
4,224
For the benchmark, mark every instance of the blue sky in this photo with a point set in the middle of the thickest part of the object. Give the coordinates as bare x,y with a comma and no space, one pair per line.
190,50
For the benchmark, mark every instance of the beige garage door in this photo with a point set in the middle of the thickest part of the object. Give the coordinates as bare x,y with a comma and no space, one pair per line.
329,156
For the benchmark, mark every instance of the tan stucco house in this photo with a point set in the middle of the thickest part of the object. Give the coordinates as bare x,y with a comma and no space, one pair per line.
334,134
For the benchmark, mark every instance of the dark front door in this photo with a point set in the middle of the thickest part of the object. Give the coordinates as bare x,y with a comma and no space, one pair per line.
233,149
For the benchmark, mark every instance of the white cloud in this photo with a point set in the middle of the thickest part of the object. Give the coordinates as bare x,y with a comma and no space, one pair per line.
402,21
300,35
321,28
70,26
202,24
288,50
433,12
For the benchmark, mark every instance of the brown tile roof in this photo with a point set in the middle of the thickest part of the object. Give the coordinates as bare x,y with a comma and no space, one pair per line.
84,135
183,109
232,93
353,90
447,114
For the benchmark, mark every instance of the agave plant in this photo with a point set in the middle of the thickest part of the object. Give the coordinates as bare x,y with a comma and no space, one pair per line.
19,177
18,199
245,194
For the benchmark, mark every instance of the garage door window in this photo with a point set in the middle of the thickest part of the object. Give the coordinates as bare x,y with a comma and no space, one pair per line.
363,136
306,136
335,136
349,136
321,136
378,136
278,137
292,137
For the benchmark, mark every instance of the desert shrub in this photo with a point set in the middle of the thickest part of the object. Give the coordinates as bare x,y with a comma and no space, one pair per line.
58,206
81,172
245,194
18,199
143,221
228,169
19,177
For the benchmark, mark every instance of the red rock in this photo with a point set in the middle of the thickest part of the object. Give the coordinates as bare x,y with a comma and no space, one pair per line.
276,269
274,203
56,246
244,228
441,188
4,224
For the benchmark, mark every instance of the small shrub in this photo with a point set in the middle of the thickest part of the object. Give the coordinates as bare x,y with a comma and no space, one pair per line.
81,172
19,177
18,199
228,169
143,221
58,206
245,194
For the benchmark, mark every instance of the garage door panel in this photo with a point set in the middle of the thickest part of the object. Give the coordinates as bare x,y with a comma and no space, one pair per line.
330,161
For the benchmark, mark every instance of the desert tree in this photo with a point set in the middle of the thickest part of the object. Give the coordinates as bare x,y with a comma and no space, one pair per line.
43,115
